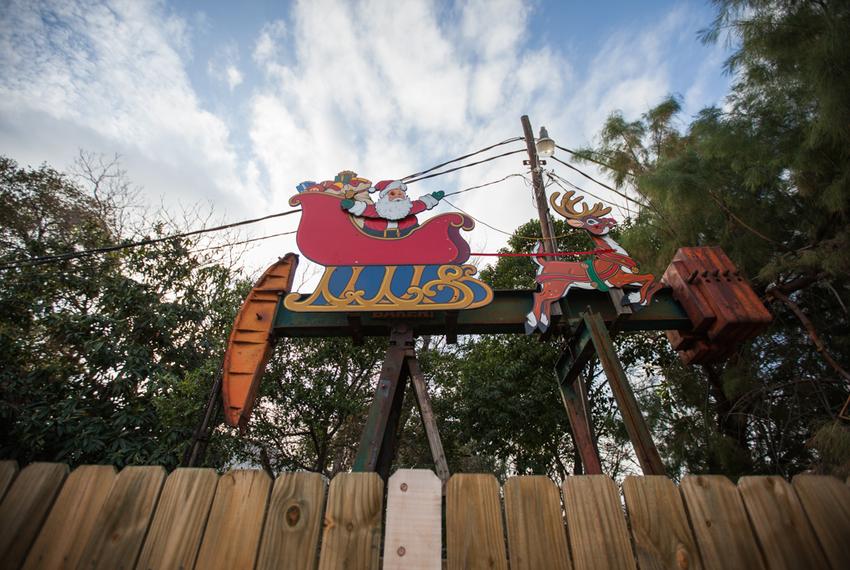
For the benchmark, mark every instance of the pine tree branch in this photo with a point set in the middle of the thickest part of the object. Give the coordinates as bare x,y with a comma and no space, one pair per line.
810,329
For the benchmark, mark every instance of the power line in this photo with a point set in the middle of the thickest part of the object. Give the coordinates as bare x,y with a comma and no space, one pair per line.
558,179
485,184
593,160
243,241
106,249
485,149
592,179
483,223
465,166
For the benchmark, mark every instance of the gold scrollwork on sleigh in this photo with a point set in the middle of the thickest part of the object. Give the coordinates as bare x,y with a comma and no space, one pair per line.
394,288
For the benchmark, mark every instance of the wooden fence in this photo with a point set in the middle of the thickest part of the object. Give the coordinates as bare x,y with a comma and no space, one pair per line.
142,518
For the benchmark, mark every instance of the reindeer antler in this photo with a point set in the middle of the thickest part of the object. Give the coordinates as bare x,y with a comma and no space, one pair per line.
567,206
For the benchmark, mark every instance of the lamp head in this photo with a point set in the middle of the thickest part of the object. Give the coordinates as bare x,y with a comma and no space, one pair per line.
545,145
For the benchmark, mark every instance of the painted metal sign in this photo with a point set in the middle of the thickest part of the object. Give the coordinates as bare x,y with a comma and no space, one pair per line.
377,254
612,268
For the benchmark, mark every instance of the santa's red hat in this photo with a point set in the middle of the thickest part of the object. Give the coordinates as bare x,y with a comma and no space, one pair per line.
384,186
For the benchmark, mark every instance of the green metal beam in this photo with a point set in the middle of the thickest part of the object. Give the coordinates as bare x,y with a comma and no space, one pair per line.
506,314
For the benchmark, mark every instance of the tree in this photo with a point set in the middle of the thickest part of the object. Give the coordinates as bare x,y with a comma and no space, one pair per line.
106,358
768,179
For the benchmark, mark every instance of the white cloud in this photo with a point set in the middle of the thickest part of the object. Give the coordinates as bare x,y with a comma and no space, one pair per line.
113,75
223,66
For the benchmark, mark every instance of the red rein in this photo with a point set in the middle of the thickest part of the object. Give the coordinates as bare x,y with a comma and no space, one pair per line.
544,254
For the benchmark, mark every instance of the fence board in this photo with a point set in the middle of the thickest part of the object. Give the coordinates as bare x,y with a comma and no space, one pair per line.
537,537
71,520
232,536
293,522
8,470
474,530
720,523
123,521
595,523
827,503
352,537
781,526
24,507
659,524
178,524
413,538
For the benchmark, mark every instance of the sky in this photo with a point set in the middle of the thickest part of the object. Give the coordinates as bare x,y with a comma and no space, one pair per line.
231,105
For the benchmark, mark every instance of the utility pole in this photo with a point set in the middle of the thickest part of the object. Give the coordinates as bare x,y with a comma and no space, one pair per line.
549,243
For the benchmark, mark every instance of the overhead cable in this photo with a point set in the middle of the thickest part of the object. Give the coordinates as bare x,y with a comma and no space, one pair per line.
107,249
582,156
462,166
592,179
485,149
485,184
231,244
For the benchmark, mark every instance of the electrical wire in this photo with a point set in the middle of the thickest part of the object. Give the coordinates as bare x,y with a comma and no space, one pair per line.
593,160
107,249
243,241
558,179
483,223
592,179
485,184
485,149
465,166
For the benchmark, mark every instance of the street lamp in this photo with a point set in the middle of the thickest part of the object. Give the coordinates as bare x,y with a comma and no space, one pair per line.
545,145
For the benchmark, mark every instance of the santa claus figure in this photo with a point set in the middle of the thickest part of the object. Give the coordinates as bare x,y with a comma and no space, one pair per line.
393,215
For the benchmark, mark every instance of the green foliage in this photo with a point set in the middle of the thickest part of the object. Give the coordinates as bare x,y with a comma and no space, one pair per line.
768,179
106,359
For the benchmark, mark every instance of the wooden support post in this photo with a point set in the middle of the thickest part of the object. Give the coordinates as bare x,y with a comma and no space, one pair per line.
379,441
575,401
377,444
647,453
423,401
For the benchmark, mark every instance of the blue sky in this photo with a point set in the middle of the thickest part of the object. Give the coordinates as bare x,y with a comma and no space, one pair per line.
232,104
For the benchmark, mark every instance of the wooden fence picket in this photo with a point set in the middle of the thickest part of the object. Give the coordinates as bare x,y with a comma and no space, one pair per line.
8,471
537,537
474,529
293,522
71,521
352,536
123,520
827,504
659,524
595,523
178,525
235,523
720,523
24,508
786,537
413,538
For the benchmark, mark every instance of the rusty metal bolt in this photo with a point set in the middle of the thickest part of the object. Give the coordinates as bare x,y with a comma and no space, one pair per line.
404,487
401,551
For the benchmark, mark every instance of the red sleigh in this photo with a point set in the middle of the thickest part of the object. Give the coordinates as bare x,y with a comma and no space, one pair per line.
328,236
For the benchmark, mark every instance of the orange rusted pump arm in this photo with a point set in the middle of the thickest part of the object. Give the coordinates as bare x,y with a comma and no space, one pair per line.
251,341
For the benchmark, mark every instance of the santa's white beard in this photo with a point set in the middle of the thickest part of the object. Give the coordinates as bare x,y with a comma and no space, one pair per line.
393,209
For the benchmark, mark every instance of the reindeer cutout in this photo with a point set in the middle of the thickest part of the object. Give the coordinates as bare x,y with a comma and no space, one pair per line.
602,271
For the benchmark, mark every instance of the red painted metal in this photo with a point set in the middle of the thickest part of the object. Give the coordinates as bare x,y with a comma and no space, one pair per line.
328,236
250,343
719,301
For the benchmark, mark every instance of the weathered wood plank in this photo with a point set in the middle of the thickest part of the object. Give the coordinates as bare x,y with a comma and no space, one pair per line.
178,524
826,501
414,521
232,535
123,521
659,524
8,471
24,508
537,537
474,530
71,520
720,523
595,523
352,536
293,522
781,526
